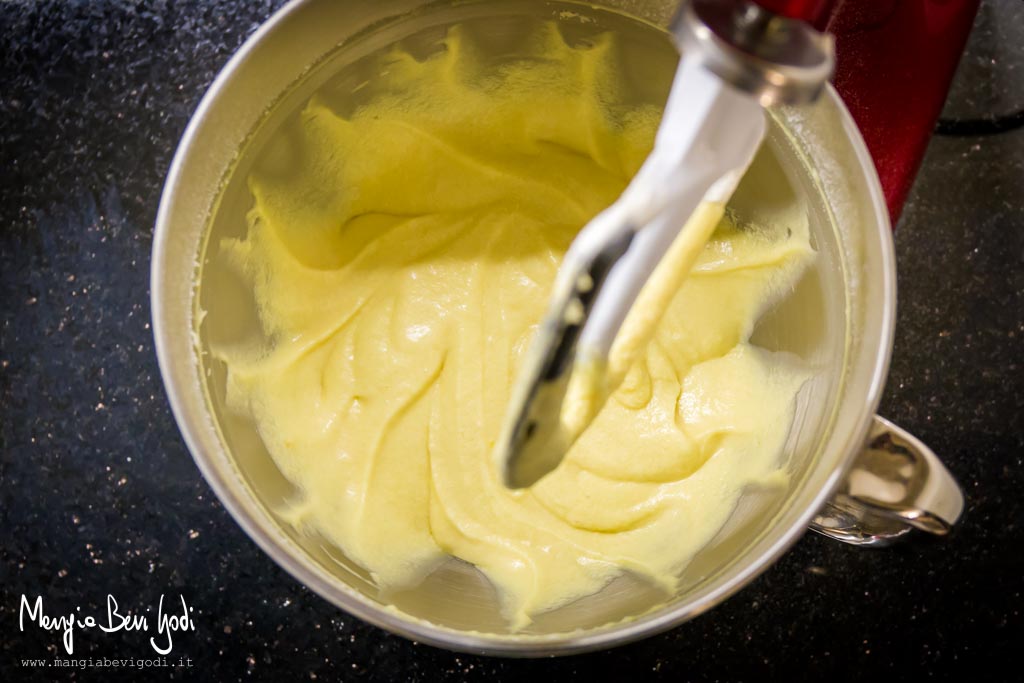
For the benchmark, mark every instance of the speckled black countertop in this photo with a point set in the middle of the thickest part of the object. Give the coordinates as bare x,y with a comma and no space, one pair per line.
99,495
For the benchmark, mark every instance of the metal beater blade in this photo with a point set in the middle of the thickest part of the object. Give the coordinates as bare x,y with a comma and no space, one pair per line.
711,128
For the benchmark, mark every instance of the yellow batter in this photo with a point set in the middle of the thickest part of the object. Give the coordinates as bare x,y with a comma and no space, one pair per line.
399,275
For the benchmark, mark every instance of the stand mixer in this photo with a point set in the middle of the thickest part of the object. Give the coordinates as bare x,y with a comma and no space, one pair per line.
881,52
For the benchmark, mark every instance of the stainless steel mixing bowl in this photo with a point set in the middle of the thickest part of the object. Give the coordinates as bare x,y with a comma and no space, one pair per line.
840,319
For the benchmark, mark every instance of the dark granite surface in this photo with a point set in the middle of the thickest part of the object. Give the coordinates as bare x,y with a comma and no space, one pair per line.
99,495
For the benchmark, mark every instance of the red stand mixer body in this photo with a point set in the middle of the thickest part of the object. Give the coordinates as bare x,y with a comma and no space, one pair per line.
895,60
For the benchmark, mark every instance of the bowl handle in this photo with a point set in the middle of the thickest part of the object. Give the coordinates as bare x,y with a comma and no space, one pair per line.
896,485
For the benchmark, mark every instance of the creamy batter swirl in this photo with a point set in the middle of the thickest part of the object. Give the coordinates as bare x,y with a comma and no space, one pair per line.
400,273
